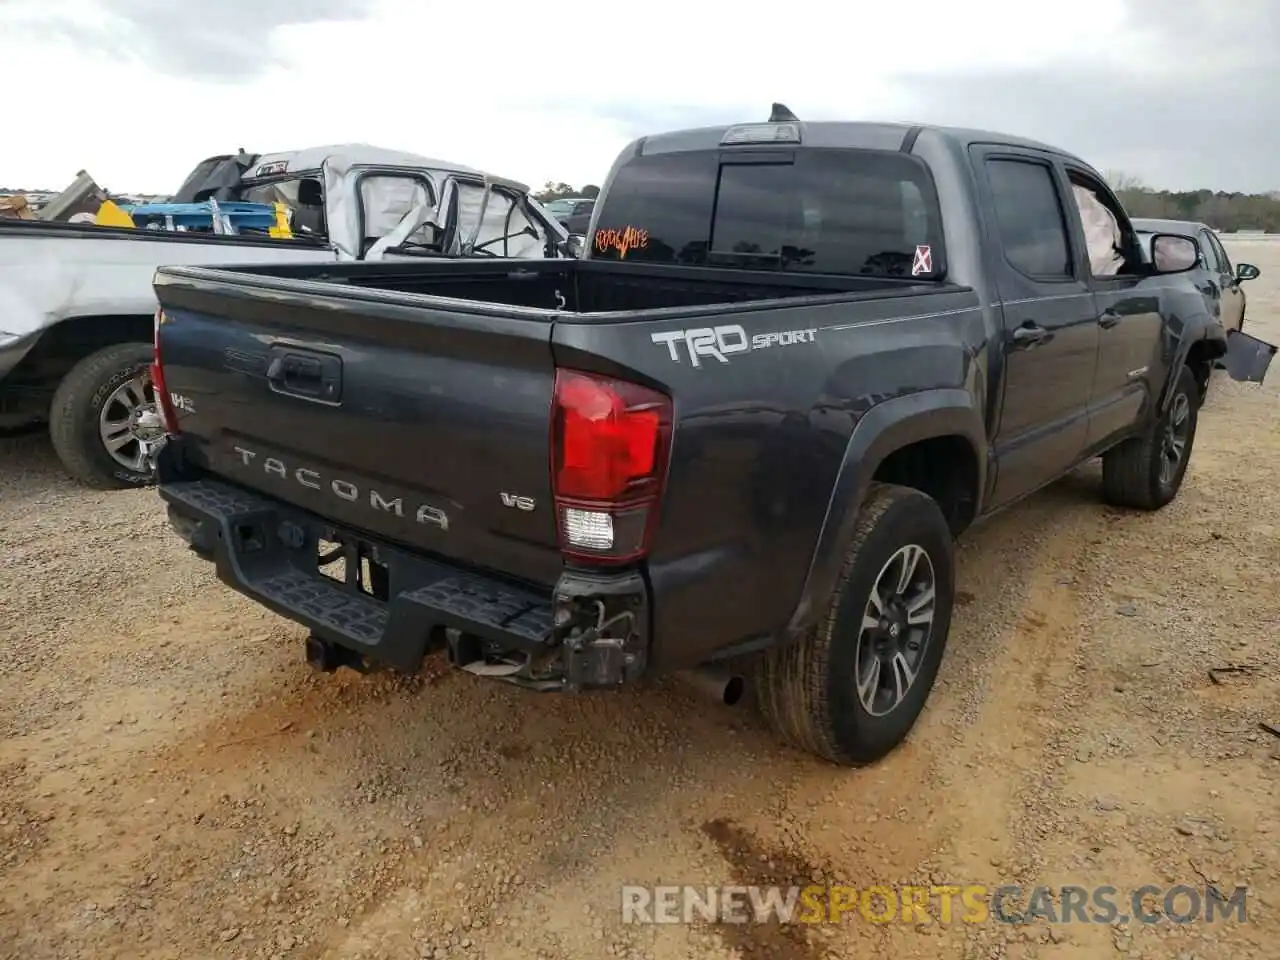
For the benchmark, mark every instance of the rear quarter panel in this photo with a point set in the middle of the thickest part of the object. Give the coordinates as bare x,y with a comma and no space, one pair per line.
760,440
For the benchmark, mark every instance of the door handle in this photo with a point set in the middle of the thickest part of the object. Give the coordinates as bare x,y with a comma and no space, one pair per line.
1108,319
299,369
1028,335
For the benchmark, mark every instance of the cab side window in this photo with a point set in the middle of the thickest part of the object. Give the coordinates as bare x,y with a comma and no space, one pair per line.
504,229
386,199
1223,260
303,197
1208,254
1111,243
1033,230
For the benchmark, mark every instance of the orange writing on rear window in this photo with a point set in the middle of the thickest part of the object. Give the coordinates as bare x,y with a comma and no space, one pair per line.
628,238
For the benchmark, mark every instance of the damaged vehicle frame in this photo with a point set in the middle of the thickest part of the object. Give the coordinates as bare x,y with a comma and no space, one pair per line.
341,173
77,305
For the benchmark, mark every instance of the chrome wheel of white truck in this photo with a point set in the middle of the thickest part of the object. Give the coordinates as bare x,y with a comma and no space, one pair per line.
104,421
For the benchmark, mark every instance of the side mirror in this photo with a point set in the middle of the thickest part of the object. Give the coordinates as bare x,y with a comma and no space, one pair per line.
1171,253
1247,271
576,245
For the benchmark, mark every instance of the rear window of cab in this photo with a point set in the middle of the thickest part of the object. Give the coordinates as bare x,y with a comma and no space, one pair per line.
846,212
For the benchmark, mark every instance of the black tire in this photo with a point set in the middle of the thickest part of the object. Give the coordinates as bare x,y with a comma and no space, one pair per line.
1131,474
73,416
807,690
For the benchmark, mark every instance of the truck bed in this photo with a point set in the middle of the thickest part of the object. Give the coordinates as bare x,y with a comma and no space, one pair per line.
561,286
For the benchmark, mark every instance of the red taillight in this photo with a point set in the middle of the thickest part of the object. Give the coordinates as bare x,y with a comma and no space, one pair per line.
163,402
609,446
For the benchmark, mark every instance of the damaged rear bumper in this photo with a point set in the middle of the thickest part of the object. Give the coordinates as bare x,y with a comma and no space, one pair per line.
589,632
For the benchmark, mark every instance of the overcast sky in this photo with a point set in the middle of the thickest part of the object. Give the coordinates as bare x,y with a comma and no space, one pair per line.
1182,93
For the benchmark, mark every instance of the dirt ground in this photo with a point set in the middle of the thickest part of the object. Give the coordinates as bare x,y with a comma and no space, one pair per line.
174,782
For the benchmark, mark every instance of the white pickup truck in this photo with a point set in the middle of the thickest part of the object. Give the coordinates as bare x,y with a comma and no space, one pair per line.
77,307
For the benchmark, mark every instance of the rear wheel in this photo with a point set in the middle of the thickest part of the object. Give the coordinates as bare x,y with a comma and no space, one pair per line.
1145,472
104,420
852,688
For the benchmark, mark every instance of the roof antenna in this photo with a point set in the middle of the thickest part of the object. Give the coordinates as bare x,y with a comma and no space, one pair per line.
782,114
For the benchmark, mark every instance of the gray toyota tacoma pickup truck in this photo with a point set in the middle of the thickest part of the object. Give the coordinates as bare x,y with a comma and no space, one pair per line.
736,441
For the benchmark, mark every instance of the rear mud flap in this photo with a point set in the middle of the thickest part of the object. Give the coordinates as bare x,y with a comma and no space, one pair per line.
1247,357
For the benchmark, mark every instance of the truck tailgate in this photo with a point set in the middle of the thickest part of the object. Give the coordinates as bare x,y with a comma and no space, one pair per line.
446,412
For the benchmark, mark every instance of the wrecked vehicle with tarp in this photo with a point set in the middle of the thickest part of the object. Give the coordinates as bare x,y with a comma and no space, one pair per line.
77,306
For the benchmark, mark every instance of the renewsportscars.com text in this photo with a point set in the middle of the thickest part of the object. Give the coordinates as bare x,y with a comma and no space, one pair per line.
943,903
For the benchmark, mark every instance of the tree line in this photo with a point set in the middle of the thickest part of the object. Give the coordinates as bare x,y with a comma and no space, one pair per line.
1224,212
554,191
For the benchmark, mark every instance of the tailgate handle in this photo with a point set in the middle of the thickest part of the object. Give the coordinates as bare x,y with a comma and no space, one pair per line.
308,376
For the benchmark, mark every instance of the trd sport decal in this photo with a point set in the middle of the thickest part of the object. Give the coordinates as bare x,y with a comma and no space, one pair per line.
717,343
628,238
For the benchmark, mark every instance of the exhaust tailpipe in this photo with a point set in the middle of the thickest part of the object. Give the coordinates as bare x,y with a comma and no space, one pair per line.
725,688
